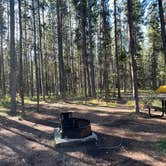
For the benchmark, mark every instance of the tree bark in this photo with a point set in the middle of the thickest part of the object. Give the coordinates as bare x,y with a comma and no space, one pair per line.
163,31
132,52
154,66
84,49
3,69
91,51
12,59
60,50
21,83
1,64
116,51
31,77
26,64
35,55
105,51
41,53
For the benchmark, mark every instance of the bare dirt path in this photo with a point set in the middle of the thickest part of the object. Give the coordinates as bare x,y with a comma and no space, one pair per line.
124,138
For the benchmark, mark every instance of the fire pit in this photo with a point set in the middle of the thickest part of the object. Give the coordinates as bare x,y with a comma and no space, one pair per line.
73,127
73,130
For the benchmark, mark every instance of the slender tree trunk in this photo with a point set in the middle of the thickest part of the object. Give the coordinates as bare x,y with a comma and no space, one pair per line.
163,31
132,51
41,53
83,42
116,51
21,83
83,57
60,50
125,76
91,51
3,69
81,75
105,76
26,65
88,77
44,51
106,55
12,59
35,55
1,64
73,83
46,76
31,78
154,66
100,63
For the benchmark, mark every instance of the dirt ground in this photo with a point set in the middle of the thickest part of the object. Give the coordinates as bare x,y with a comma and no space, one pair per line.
123,138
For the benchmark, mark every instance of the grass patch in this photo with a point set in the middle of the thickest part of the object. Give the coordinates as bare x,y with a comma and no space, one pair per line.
29,101
96,102
4,111
112,102
130,103
103,103
157,103
4,106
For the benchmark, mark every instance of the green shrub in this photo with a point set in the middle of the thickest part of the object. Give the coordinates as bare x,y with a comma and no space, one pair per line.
148,100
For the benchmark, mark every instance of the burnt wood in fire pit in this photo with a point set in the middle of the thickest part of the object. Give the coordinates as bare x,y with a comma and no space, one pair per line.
73,127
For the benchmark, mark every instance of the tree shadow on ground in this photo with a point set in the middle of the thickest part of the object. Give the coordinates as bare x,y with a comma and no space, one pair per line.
106,118
87,154
90,154
21,128
110,147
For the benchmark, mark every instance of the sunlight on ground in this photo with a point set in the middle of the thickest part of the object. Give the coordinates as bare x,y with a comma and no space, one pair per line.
111,123
82,156
145,158
6,152
4,111
98,102
82,101
130,103
129,134
29,101
93,102
4,132
35,146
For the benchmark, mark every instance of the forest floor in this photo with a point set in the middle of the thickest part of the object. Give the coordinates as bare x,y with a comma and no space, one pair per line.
125,138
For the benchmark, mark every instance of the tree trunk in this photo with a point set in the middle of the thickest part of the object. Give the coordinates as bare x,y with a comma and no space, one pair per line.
12,59
21,83
163,31
44,53
91,51
3,69
132,51
41,53
35,55
31,77
73,83
1,64
83,40
60,50
26,65
88,77
116,52
84,55
154,66
105,48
